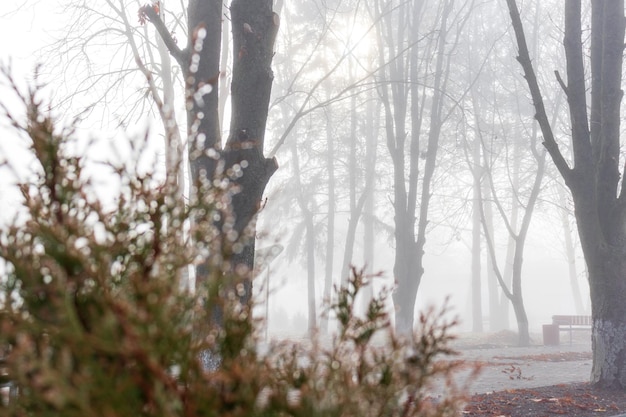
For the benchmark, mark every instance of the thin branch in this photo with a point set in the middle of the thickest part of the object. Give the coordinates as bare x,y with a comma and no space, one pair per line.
557,74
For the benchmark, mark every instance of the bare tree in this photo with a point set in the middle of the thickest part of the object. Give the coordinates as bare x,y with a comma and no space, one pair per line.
415,40
240,160
593,174
514,291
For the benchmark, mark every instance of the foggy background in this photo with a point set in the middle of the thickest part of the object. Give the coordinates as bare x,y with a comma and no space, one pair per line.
328,129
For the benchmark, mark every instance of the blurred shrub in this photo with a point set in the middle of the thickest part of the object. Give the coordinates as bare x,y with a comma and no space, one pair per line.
94,319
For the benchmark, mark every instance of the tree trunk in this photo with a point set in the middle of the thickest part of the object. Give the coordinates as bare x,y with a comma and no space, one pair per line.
200,67
477,310
409,267
391,35
608,287
372,132
356,208
330,229
303,202
498,303
254,30
310,272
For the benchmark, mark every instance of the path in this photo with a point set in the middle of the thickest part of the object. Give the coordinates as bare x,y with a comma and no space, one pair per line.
513,367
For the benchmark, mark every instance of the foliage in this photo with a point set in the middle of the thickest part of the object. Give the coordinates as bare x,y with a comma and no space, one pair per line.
95,322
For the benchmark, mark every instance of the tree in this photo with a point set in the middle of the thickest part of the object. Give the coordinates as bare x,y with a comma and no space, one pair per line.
593,173
325,68
240,160
514,291
199,69
415,41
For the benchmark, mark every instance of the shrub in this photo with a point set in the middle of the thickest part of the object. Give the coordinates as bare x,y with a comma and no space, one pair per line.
94,320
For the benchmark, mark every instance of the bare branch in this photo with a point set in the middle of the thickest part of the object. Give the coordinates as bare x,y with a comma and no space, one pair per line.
151,14
535,92
561,82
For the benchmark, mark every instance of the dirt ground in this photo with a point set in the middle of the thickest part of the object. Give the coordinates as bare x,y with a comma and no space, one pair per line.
572,400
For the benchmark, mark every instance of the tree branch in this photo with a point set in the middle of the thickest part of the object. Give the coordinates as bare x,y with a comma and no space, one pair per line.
557,74
491,250
540,112
576,88
151,14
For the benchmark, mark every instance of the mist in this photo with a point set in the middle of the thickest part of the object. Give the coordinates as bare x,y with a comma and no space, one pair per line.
405,140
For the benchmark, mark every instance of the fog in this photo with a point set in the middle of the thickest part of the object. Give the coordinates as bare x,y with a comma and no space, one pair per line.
393,126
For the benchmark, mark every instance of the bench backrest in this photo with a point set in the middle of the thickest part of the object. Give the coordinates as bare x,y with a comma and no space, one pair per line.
572,320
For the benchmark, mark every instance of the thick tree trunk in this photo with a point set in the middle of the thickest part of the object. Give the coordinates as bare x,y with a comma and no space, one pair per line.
600,215
254,30
408,273
609,350
608,288
594,179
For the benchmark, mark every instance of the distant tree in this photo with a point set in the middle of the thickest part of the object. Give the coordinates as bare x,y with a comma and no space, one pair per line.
593,174
570,246
514,291
320,88
415,40
508,180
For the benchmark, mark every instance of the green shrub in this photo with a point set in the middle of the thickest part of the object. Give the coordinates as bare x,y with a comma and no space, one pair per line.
94,320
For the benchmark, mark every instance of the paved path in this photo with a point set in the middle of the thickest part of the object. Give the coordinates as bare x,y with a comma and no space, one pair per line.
513,367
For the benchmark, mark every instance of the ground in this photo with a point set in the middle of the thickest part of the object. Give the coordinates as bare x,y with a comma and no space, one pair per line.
572,400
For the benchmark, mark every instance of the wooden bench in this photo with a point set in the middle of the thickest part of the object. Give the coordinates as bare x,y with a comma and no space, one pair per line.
567,323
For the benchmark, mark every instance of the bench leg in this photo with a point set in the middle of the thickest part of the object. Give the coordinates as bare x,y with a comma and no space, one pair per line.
551,334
